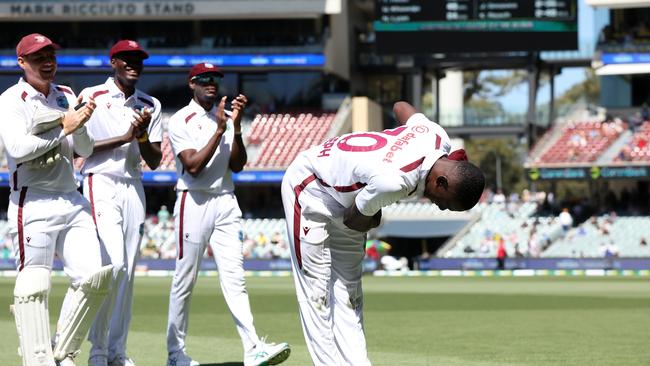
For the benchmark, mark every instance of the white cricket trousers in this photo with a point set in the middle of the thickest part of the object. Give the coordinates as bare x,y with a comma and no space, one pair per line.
327,259
43,224
118,208
205,218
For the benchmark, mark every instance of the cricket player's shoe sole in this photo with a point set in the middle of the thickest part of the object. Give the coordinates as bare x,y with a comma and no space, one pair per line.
267,354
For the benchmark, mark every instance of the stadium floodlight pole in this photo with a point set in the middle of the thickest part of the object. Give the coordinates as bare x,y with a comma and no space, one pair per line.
533,70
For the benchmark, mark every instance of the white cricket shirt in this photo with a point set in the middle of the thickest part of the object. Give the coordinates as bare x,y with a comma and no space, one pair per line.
191,128
18,104
112,118
376,169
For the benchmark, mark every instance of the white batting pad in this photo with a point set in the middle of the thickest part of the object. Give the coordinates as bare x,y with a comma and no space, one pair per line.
84,305
32,319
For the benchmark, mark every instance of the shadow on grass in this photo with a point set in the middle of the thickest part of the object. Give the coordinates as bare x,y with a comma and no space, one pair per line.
224,364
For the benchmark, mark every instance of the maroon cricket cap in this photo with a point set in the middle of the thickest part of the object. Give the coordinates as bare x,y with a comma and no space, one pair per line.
204,68
127,45
459,155
32,43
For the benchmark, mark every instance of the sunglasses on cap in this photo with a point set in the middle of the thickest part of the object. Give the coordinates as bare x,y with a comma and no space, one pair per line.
207,79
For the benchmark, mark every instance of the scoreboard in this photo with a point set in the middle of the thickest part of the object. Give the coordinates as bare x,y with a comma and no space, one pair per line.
455,26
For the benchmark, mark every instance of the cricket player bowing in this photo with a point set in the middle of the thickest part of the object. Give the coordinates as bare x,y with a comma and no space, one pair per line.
333,194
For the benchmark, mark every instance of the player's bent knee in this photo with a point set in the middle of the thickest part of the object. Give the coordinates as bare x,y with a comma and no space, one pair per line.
31,314
32,281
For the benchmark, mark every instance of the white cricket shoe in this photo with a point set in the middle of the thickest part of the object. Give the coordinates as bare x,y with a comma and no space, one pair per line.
180,358
68,361
265,354
121,361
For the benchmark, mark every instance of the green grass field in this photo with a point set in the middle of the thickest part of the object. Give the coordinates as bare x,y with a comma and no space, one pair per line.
409,321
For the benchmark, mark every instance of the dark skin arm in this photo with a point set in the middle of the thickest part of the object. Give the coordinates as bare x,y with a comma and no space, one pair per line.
238,156
403,111
355,220
195,161
113,142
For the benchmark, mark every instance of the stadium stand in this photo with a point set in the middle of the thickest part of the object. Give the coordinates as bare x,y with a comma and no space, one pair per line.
280,137
604,236
523,233
263,239
578,142
637,148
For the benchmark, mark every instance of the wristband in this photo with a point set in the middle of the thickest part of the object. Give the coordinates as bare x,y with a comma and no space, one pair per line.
144,137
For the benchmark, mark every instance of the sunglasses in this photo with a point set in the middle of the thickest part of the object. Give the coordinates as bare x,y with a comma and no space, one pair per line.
207,79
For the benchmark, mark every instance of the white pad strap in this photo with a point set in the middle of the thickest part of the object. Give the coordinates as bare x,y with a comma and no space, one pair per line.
84,304
32,318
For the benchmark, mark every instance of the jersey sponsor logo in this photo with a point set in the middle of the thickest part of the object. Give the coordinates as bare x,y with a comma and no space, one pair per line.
62,102
397,146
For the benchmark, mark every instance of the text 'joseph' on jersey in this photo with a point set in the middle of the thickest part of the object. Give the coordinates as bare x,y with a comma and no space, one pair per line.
112,118
190,129
19,104
376,169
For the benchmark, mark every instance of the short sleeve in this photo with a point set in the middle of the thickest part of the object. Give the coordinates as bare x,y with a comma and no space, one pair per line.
155,127
179,136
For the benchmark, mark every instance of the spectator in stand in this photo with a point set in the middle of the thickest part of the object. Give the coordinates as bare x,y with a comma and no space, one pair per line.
248,246
625,154
566,220
261,239
635,121
276,238
150,250
262,250
518,252
281,250
499,197
501,254
163,215
533,244
645,112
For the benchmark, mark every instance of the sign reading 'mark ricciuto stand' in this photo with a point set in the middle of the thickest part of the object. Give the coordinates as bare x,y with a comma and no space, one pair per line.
163,9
